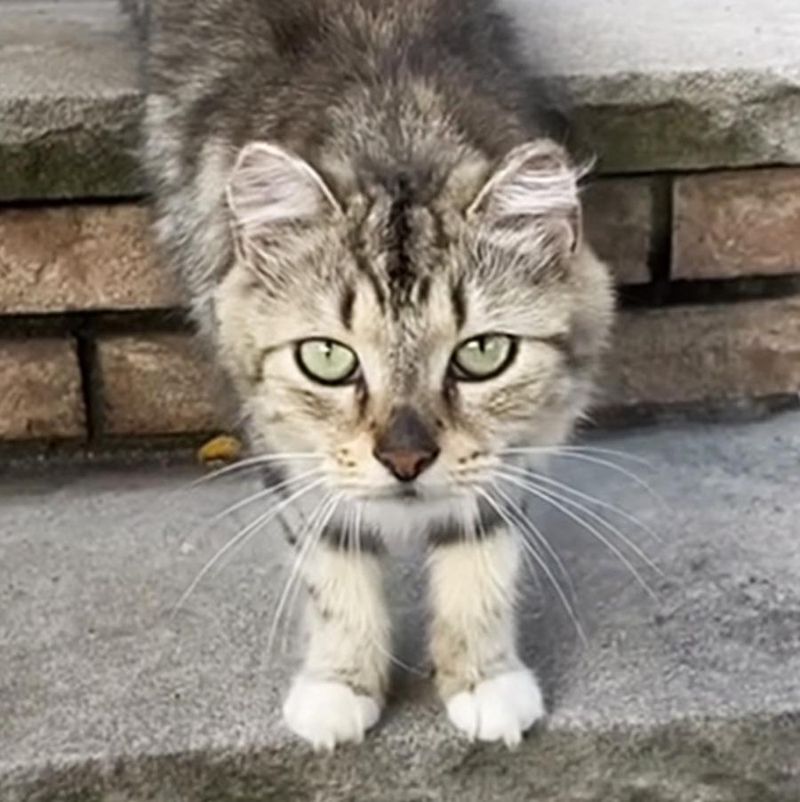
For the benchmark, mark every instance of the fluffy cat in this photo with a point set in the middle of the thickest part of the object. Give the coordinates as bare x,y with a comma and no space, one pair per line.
385,251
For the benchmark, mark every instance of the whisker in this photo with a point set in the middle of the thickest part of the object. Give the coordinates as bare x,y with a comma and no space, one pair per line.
259,522
538,535
314,543
603,522
531,566
556,502
357,526
579,449
469,526
309,539
387,653
259,495
540,477
557,453
542,564
251,463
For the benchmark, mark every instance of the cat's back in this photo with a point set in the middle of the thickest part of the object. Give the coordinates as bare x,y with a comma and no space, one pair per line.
202,43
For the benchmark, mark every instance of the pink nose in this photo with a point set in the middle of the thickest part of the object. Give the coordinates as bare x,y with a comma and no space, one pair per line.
406,464
407,445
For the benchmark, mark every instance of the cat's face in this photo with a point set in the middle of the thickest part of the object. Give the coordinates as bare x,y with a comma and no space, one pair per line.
408,346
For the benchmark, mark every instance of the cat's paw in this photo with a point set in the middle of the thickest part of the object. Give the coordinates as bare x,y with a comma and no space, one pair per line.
328,713
498,709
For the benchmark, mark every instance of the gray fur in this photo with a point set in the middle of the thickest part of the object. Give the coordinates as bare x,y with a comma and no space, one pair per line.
331,80
372,172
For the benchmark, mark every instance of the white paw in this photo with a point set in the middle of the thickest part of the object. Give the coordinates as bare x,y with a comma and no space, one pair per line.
501,708
328,713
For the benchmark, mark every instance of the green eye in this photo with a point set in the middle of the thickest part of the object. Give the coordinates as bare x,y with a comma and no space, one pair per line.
326,361
484,357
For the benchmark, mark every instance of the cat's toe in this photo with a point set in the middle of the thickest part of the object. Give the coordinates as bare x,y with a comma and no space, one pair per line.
498,709
328,713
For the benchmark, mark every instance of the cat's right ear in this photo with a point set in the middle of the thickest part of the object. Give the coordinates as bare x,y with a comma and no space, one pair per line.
535,186
270,187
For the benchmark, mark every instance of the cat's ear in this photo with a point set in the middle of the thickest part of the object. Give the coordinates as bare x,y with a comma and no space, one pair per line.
270,187
536,185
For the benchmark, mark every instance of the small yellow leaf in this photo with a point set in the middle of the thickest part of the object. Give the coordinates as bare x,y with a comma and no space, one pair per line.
224,448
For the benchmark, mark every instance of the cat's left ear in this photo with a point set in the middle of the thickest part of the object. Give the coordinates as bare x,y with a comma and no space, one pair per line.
536,184
270,188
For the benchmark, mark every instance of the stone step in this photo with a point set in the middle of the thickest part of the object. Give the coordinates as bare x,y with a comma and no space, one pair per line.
70,100
649,87
691,696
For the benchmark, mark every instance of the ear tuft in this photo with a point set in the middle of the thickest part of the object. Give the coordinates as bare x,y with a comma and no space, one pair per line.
270,187
535,182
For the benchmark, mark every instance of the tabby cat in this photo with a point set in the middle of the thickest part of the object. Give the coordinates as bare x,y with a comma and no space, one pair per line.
384,249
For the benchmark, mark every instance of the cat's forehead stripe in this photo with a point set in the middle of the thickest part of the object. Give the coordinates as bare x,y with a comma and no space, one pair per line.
399,263
346,306
459,300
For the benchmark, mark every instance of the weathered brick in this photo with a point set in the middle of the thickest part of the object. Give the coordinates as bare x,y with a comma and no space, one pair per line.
619,219
41,396
155,384
735,224
79,258
706,353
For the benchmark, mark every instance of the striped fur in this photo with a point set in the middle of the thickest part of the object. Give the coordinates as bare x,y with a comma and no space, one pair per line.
373,172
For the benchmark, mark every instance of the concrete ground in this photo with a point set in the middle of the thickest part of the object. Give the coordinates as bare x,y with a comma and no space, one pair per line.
692,696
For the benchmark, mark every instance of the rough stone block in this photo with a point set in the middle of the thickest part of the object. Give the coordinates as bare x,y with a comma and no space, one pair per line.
155,384
706,353
744,223
79,258
40,395
619,220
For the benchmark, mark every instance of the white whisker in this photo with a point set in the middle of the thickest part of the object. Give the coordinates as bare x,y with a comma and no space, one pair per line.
580,450
251,463
469,526
559,504
309,538
387,653
542,564
259,495
560,453
540,477
537,534
259,522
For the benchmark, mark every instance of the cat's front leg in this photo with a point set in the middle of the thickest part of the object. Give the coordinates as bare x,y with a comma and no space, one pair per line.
339,693
489,693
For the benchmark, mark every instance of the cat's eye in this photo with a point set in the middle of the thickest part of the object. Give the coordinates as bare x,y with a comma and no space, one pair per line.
483,357
326,361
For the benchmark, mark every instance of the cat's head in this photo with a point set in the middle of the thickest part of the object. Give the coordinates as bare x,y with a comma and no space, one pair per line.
403,336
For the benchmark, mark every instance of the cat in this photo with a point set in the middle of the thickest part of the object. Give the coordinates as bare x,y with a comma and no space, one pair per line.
384,249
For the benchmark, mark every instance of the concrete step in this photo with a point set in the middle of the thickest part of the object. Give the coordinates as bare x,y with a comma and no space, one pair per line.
649,87
691,696
70,100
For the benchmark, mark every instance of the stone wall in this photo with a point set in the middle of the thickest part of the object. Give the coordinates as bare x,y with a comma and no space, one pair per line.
94,348
94,345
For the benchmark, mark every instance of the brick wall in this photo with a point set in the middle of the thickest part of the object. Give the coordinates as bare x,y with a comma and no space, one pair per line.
93,348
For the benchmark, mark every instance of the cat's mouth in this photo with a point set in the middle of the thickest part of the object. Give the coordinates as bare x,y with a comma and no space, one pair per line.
398,492
412,494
